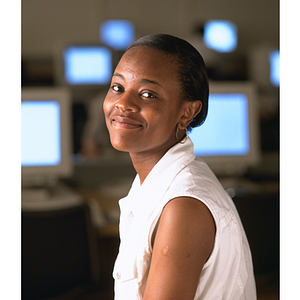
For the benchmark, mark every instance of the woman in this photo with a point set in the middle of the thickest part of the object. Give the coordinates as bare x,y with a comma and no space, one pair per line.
181,237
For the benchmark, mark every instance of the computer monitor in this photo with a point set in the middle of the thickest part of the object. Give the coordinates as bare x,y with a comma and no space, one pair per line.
229,138
264,65
220,35
46,143
88,65
274,62
117,34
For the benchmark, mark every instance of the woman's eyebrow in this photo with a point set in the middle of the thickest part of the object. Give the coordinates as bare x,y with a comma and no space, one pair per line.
143,80
119,75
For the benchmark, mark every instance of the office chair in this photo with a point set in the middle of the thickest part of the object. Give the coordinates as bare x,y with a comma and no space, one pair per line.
59,252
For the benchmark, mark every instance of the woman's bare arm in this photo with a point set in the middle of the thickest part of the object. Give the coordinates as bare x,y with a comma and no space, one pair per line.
183,242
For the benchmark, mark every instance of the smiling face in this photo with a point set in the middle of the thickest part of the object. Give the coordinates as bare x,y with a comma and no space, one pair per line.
143,106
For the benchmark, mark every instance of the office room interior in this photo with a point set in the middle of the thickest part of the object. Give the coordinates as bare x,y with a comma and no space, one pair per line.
70,193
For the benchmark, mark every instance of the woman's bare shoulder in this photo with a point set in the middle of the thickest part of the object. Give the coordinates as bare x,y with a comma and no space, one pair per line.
183,242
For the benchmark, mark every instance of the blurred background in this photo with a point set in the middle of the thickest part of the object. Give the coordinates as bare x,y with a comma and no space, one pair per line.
62,43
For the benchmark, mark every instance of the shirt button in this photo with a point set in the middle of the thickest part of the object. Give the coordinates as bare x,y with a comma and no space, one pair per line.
131,214
118,275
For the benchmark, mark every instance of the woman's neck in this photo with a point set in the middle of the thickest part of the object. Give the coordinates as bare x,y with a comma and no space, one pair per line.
143,164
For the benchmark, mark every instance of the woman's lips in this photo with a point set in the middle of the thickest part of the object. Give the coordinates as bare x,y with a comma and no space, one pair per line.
125,122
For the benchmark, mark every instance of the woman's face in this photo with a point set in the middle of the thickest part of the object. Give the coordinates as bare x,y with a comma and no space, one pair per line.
143,107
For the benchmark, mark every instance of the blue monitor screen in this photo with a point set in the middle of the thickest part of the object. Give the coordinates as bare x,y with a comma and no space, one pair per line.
226,130
87,65
118,34
274,67
220,36
40,133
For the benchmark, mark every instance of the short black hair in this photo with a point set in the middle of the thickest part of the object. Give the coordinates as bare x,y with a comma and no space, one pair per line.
192,70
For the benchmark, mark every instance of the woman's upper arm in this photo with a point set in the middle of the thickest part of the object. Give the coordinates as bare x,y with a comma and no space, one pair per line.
183,242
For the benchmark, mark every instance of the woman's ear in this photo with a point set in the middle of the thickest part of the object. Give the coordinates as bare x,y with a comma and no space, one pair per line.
190,110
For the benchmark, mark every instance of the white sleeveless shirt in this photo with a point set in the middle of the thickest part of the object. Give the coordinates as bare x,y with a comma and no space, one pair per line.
228,273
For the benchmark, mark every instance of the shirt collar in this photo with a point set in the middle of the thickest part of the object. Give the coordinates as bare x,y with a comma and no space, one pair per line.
147,196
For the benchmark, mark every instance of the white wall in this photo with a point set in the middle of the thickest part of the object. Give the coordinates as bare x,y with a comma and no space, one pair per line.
48,23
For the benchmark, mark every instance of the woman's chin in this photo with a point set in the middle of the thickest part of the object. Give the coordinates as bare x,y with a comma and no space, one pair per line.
120,146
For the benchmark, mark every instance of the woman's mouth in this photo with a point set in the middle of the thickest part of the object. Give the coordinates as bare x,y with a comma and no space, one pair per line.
125,123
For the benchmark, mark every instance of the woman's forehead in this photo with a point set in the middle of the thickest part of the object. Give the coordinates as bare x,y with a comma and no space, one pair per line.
148,60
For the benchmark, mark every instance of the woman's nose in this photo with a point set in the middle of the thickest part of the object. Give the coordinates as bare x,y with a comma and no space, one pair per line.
127,102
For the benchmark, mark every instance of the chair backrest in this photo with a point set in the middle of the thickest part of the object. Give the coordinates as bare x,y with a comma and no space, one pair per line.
58,248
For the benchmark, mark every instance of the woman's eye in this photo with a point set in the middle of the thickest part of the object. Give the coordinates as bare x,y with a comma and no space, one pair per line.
148,95
116,88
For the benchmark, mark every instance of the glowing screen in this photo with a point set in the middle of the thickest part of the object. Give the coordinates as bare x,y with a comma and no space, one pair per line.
220,36
274,67
226,129
40,133
118,34
88,65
